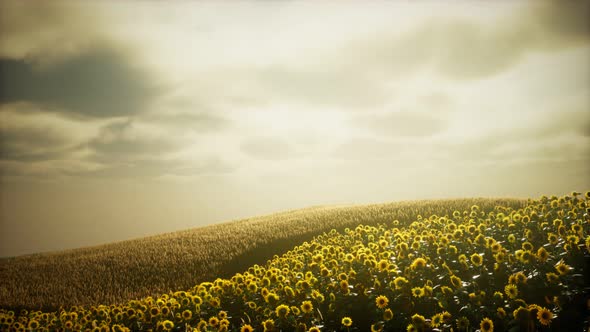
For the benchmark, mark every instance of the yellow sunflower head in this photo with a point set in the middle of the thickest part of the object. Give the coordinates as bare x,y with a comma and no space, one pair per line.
346,321
307,307
486,325
381,301
544,316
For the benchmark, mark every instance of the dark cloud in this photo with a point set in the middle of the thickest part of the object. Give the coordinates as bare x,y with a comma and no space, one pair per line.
48,31
99,83
563,22
267,148
120,143
124,151
31,144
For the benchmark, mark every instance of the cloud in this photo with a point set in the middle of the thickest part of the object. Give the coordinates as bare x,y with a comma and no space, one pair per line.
142,149
32,145
267,148
125,142
48,31
142,168
99,83
461,48
403,123
561,135
470,50
557,24
28,134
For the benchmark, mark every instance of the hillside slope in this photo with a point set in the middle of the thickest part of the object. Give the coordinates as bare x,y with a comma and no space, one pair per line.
118,272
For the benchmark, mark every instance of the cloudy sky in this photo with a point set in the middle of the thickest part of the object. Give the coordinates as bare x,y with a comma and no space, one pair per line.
124,119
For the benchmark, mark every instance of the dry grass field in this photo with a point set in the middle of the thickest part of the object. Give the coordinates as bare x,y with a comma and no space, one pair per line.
118,272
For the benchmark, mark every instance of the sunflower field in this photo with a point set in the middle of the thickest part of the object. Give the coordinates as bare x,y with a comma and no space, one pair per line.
115,273
524,269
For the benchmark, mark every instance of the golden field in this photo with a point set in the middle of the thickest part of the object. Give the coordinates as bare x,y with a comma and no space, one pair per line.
464,265
118,272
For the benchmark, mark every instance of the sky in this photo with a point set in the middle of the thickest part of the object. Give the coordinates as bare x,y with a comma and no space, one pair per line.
125,119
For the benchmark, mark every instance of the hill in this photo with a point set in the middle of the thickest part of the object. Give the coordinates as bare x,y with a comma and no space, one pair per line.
508,269
118,272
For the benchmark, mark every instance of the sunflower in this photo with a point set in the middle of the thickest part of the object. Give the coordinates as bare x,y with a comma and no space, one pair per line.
418,292
306,307
411,328
552,238
222,314
486,325
381,301
252,287
542,255
33,324
387,314
187,315
282,311
476,259
196,300
436,320
496,247
201,325
343,284
215,302
167,325
400,282
252,305
313,329
446,290
264,292
418,263
446,316
520,278
456,281
511,238
521,314
268,325
527,246
418,320
544,316
527,256
498,296
511,291
246,328
377,327
562,268
501,313
346,321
